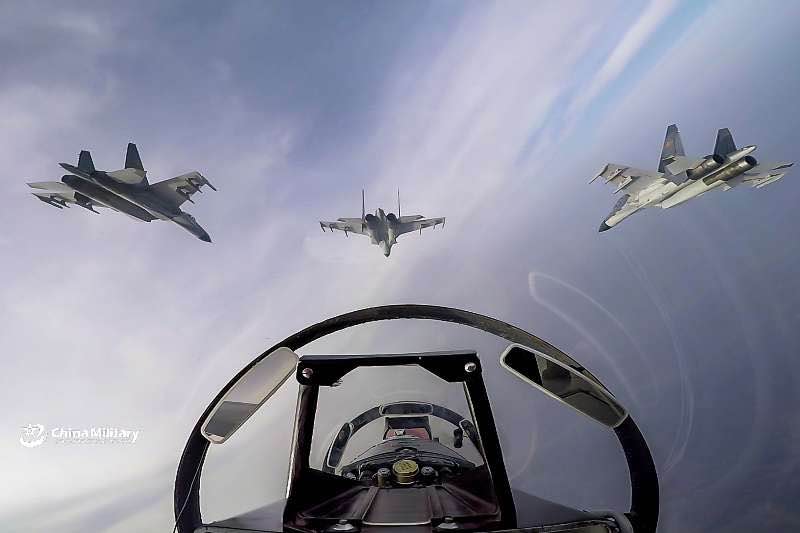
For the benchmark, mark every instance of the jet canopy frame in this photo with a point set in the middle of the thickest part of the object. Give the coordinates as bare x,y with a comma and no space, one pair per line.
643,513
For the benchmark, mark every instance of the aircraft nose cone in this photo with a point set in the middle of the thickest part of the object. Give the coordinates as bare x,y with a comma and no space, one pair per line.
604,227
204,237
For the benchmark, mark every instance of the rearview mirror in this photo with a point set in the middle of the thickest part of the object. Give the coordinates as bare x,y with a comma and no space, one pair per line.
563,383
248,394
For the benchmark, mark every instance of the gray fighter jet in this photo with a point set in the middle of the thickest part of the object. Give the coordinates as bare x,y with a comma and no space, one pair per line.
382,229
126,190
680,178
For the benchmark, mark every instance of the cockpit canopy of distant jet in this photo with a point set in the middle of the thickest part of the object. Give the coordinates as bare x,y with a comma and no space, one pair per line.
427,457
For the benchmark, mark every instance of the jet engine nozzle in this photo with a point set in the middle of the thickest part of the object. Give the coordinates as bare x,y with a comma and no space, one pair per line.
706,167
732,170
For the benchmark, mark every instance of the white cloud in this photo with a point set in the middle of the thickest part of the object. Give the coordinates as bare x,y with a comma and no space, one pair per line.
631,43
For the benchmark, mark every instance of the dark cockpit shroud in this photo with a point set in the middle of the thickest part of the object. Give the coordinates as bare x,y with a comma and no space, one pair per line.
411,474
428,463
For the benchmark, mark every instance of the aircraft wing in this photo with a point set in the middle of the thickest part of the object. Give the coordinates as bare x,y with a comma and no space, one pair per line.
347,225
761,175
420,224
630,179
59,195
181,188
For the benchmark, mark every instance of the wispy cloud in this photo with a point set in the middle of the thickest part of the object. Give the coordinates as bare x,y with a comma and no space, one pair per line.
633,40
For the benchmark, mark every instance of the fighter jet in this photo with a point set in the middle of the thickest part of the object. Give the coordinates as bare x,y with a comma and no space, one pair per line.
680,178
382,229
126,190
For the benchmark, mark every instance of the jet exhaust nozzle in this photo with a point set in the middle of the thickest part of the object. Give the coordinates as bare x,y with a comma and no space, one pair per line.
732,170
706,167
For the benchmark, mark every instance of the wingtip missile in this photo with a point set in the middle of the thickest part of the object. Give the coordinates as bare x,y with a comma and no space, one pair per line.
603,171
208,183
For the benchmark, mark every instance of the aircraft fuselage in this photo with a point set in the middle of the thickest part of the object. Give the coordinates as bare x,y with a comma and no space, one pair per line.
133,194
99,194
382,230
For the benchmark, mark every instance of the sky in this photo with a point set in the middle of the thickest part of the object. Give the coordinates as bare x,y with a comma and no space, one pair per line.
493,114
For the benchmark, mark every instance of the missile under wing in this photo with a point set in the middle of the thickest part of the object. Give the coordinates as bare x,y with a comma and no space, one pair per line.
59,195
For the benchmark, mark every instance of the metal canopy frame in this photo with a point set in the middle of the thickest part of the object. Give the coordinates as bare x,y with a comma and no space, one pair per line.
455,367
643,513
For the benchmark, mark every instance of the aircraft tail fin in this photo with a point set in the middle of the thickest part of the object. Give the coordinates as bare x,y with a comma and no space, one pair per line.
132,159
363,206
85,161
398,203
673,146
724,144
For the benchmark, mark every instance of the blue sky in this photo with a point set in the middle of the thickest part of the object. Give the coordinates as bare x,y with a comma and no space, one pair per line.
494,114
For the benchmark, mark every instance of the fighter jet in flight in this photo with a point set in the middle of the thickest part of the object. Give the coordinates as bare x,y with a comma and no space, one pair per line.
680,178
382,229
126,190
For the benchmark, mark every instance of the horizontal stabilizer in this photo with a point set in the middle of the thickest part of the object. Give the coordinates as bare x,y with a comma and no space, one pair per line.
52,186
59,194
49,201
